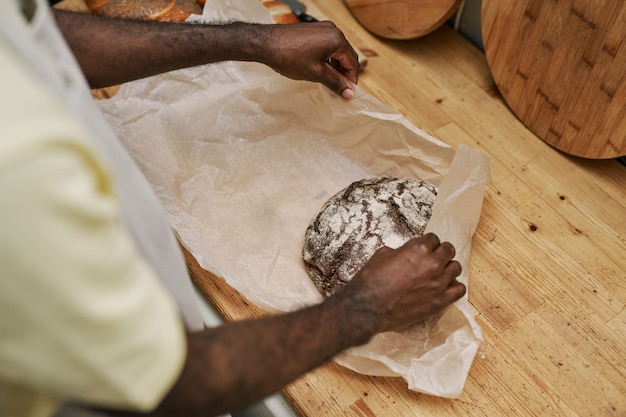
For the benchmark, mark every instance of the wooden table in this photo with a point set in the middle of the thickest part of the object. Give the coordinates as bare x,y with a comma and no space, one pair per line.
548,269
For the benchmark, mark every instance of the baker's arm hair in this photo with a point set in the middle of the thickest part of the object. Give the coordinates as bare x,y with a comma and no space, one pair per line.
112,51
238,364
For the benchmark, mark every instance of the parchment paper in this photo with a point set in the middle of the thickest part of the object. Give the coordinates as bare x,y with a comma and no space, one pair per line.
243,159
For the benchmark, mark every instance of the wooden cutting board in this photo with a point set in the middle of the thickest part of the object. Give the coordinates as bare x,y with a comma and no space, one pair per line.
561,67
402,19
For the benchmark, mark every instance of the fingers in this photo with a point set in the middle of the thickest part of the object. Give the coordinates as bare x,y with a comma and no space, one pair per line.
430,240
455,291
444,254
441,255
342,71
335,78
443,251
347,63
316,52
450,272
343,57
452,269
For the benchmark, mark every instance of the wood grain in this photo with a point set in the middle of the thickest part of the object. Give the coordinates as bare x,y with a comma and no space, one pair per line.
547,273
402,19
561,67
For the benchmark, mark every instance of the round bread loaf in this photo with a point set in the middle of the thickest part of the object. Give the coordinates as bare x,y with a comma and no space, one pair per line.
357,221
280,12
159,10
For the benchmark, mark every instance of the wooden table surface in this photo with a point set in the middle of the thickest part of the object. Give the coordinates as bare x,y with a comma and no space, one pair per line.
548,268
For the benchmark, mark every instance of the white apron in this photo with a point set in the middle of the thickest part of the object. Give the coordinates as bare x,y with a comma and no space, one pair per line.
44,48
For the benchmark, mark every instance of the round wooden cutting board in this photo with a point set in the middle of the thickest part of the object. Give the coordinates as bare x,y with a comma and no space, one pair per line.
402,19
561,67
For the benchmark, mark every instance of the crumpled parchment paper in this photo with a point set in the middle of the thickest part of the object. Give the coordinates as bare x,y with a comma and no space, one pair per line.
243,159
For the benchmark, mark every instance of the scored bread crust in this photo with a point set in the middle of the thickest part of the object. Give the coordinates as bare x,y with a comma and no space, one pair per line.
357,221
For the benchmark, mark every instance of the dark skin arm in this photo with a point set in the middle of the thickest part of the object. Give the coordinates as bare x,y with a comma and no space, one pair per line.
240,363
114,51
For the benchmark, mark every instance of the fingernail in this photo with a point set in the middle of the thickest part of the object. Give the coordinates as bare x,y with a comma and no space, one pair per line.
347,93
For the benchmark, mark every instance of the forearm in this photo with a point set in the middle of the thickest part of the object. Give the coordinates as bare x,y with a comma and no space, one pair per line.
113,51
243,362
240,363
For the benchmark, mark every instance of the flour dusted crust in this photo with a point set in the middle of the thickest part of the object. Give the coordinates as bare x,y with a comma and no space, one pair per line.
360,219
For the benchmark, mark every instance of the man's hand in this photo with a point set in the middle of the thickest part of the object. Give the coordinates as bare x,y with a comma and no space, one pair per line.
316,52
409,284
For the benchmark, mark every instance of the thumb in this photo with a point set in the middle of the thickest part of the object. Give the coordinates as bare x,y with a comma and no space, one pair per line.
337,82
347,93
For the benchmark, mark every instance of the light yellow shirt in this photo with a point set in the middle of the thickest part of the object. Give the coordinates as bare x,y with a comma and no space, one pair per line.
82,315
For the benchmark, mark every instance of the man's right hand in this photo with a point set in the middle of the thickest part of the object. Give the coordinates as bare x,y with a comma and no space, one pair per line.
316,52
408,284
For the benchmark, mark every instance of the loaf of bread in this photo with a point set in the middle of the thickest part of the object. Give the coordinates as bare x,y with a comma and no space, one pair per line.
280,12
354,223
160,10
174,10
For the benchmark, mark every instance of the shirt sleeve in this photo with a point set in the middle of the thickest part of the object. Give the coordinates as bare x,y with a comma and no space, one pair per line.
82,315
